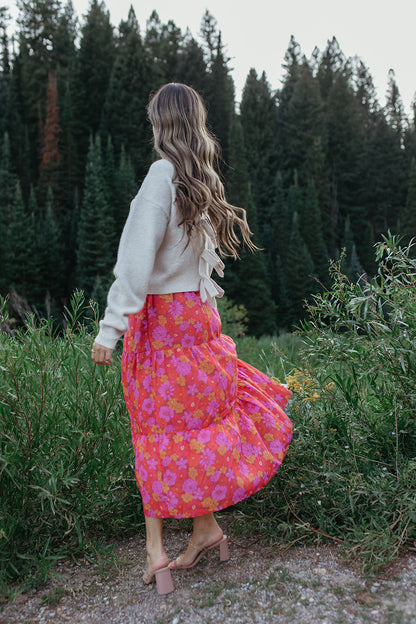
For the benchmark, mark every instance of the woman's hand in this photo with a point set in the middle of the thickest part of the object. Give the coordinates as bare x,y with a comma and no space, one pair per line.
101,355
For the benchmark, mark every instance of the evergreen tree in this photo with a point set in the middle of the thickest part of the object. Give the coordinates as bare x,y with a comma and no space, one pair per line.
8,182
96,245
162,43
408,224
192,69
292,62
258,119
126,188
394,106
20,250
219,94
51,154
38,21
250,270
124,114
51,255
331,65
312,234
94,65
304,140
300,271
351,264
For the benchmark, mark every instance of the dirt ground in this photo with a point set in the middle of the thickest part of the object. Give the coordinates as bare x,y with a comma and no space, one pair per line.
259,584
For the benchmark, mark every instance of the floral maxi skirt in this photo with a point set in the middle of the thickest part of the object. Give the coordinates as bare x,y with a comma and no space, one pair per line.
208,429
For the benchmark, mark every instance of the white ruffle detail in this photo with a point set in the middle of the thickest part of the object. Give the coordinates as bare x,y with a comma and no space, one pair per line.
208,261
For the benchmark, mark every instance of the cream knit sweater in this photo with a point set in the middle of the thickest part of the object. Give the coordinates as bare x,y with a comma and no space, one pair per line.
152,258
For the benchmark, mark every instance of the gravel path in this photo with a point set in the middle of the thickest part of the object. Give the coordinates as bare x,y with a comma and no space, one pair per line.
260,584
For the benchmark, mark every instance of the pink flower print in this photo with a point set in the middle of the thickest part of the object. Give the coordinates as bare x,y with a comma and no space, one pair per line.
223,440
192,390
166,413
219,492
248,449
182,463
159,333
183,326
172,500
163,442
208,459
230,474
202,376
183,368
238,495
148,405
188,341
190,485
159,357
276,446
212,407
175,308
198,326
204,436
223,382
145,496
157,487
152,464
192,295
147,383
170,477
142,473
166,391
215,476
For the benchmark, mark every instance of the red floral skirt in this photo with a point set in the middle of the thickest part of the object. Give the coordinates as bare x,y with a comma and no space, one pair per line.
208,429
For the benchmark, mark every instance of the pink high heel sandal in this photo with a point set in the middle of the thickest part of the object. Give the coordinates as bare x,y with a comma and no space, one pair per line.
163,578
224,554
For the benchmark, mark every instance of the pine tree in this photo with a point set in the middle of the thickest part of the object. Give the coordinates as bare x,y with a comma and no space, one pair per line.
258,119
219,94
38,21
312,233
331,65
192,69
250,270
51,155
96,246
51,254
126,188
21,263
8,182
300,271
304,140
124,113
94,65
408,223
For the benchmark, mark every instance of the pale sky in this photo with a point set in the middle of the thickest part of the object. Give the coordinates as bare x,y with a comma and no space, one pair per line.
257,32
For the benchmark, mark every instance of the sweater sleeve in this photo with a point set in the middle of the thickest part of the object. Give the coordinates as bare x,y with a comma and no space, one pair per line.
142,236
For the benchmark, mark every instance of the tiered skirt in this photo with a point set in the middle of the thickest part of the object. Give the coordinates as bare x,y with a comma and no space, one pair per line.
208,429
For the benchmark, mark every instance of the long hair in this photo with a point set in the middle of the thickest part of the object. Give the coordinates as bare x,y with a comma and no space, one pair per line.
178,116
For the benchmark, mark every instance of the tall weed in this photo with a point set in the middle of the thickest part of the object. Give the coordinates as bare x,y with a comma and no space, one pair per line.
66,458
350,473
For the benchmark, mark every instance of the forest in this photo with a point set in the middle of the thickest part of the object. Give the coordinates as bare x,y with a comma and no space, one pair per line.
322,167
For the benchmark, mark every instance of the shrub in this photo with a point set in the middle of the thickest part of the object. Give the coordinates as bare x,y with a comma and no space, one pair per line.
66,458
349,475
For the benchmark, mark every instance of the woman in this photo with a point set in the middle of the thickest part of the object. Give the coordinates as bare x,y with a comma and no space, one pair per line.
208,430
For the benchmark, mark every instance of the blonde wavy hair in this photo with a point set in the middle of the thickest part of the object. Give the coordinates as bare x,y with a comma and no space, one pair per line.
178,117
